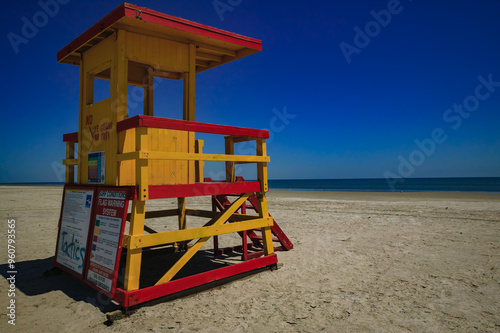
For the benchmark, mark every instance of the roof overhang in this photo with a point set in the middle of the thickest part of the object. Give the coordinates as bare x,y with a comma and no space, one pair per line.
214,46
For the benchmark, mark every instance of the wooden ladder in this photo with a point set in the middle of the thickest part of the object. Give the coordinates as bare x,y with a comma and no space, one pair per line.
220,202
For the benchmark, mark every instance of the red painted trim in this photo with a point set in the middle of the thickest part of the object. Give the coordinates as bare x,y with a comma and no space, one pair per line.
148,15
183,125
131,298
152,16
93,31
201,189
69,137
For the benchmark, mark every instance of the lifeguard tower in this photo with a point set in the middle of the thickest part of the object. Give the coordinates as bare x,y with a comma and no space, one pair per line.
119,159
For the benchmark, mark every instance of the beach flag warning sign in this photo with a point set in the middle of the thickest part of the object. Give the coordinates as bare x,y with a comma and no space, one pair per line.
109,223
94,218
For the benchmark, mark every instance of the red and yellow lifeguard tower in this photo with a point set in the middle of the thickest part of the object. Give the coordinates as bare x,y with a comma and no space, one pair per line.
120,159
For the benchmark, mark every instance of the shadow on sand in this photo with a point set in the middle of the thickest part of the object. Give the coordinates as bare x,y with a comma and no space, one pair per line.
36,277
31,280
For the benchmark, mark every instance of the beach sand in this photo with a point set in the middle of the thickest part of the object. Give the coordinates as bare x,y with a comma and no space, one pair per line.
362,262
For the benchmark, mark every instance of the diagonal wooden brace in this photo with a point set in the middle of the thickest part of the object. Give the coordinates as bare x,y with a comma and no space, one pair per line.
192,251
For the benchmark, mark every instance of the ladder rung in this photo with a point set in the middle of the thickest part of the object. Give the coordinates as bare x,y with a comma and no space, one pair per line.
260,238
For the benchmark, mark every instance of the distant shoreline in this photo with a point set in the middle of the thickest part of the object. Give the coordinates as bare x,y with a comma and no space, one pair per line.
32,184
383,196
318,192
368,185
374,191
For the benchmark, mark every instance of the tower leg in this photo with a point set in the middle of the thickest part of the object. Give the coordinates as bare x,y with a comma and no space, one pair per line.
181,205
134,256
267,236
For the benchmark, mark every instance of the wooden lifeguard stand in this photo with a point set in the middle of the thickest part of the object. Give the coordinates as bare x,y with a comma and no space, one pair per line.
157,158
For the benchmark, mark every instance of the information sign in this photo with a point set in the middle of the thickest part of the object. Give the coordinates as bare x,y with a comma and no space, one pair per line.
106,238
74,228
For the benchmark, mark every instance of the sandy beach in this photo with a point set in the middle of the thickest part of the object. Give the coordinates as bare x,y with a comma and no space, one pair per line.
362,262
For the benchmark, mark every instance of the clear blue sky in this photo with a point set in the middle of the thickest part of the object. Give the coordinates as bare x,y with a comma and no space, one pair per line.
360,101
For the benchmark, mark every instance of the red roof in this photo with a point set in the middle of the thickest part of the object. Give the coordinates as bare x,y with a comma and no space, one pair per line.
124,16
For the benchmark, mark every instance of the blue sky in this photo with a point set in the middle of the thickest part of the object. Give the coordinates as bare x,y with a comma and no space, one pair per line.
340,103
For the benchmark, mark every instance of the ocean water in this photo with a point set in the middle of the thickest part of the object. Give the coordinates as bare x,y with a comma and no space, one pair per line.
34,184
483,184
490,184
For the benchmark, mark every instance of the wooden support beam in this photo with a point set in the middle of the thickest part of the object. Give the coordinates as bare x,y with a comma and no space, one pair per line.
229,150
70,161
70,156
158,213
148,93
202,63
262,166
214,49
199,165
229,57
189,86
134,256
267,236
81,104
89,89
158,155
141,165
164,74
192,251
162,213
183,235
181,206
211,214
208,57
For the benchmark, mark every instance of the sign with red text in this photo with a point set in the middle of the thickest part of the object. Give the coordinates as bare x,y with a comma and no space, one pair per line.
106,237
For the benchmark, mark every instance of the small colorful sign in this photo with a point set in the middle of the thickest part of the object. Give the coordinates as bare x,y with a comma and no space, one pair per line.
96,167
